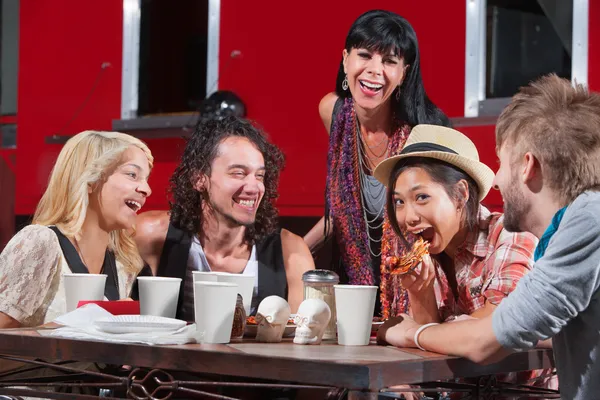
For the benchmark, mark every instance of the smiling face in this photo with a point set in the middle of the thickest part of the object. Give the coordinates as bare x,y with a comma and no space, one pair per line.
424,207
373,76
117,200
236,185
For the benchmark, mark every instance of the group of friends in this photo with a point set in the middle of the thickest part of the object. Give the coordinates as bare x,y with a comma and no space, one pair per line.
491,284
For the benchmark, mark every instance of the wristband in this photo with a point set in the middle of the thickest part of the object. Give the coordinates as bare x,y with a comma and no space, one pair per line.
418,332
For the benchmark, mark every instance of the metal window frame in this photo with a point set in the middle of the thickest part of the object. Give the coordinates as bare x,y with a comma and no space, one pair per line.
476,104
131,58
131,54
212,47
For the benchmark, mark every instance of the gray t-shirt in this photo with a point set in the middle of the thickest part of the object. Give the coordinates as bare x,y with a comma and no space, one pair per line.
560,299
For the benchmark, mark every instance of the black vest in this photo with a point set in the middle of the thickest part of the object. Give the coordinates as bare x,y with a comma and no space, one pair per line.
272,279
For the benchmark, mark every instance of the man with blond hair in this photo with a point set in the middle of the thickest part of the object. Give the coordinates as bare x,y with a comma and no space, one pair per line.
548,142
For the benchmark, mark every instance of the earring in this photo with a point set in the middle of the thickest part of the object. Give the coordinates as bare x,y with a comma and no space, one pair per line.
398,94
345,83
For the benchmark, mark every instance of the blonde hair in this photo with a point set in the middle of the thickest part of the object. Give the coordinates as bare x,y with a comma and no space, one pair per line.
86,160
560,125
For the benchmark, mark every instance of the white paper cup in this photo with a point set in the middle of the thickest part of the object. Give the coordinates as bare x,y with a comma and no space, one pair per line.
204,276
159,295
245,286
214,308
354,306
83,287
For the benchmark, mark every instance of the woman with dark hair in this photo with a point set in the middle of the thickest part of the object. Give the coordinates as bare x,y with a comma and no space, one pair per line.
435,186
379,96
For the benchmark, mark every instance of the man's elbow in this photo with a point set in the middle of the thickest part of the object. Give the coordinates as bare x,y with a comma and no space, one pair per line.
486,353
485,349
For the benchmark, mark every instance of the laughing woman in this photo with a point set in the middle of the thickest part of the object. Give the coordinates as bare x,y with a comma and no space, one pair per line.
435,186
379,96
82,224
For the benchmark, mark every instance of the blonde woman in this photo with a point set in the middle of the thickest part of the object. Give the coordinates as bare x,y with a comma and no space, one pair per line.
83,224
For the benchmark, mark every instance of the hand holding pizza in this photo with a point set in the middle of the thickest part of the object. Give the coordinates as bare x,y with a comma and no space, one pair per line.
420,280
415,268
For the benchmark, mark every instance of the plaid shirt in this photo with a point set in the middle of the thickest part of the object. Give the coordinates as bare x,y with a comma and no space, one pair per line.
487,266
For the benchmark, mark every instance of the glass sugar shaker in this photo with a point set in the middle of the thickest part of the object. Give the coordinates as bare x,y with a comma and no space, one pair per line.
318,284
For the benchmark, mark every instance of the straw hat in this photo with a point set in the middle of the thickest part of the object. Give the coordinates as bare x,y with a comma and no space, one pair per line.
445,144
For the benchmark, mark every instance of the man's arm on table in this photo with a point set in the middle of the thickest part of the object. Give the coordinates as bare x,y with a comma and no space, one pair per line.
559,287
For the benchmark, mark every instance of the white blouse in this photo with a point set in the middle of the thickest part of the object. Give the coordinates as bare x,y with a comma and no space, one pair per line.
31,284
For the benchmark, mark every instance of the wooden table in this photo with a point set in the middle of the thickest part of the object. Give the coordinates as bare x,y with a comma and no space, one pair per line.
363,370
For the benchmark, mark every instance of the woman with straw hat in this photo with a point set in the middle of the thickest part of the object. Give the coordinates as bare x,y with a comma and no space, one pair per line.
435,186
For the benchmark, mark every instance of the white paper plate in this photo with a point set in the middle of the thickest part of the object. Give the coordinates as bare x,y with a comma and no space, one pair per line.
138,324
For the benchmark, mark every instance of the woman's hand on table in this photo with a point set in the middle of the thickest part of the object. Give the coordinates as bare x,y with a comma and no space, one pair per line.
399,332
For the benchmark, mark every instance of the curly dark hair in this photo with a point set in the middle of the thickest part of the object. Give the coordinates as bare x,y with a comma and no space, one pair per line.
198,155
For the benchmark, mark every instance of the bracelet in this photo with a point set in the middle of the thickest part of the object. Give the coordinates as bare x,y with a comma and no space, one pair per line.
418,332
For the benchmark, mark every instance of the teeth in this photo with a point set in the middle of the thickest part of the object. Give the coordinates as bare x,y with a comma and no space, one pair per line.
374,86
419,231
247,203
134,205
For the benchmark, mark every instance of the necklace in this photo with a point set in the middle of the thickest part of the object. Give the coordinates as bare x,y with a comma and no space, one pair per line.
371,193
375,146
371,149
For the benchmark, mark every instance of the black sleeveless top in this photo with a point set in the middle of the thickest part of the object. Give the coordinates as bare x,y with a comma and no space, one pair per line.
272,279
109,267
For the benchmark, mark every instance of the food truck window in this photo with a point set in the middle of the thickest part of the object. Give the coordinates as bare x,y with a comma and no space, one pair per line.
512,42
165,53
525,40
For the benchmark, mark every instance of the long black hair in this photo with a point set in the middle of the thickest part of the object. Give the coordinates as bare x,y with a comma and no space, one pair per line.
200,151
384,31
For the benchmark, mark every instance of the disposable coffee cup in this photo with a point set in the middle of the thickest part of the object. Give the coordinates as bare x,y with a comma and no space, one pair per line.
159,295
214,309
204,276
80,287
354,305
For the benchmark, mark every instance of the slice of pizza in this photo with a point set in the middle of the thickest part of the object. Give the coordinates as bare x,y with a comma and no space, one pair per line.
409,261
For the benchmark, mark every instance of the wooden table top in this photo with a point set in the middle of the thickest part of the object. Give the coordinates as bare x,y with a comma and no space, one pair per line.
354,367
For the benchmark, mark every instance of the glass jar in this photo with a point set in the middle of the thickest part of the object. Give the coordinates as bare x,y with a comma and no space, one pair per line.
318,284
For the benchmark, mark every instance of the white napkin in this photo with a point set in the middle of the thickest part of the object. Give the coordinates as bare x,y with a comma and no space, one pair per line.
79,324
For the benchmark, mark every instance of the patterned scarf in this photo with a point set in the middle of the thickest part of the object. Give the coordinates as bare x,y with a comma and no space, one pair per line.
344,205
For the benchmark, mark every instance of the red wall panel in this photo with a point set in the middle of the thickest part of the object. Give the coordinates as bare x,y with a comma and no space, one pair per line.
62,47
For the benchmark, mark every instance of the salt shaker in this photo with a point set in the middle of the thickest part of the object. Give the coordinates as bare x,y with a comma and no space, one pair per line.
318,284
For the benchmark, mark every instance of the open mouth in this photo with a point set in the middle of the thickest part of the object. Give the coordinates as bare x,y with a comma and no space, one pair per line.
425,233
134,205
370,86
246,203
